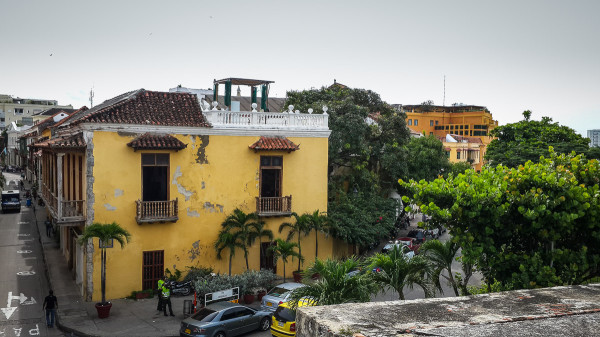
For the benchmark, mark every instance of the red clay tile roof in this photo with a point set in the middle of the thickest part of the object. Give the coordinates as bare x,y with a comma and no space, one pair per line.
145,107
66,142
274,144
156,142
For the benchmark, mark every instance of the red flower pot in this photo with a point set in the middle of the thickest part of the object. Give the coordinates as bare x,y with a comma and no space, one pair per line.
297,276
248,298
103,309
261,294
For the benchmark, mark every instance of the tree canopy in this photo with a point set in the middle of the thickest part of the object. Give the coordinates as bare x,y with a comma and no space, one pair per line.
534,225
365,159
516,143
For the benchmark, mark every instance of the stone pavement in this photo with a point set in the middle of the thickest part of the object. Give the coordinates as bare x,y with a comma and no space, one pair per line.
79,318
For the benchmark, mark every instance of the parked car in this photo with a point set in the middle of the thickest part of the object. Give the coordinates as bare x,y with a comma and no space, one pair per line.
278,295
284,319
406,249
418,234
224,319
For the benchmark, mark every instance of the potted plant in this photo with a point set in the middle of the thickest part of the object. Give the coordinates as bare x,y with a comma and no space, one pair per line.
248,296
106,233
261,293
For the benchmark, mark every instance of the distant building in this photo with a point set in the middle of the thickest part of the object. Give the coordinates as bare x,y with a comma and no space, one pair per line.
469,121
594,136
22,110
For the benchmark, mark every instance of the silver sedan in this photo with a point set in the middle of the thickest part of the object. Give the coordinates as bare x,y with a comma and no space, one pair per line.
224,319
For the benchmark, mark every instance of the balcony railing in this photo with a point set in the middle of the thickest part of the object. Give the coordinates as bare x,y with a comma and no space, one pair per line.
267,120
156,211
70,210
274,206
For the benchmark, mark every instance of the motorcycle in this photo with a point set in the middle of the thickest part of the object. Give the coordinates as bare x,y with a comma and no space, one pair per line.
181,288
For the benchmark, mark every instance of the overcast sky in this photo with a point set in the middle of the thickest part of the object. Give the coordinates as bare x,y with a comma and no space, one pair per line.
507,55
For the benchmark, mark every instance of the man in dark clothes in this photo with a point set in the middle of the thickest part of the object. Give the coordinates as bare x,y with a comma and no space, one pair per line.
49,228
50,304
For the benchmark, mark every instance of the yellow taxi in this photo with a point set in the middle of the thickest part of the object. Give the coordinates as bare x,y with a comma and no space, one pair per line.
283,322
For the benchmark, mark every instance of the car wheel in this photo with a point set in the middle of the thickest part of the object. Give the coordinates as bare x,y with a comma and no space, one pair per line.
220,334
265,324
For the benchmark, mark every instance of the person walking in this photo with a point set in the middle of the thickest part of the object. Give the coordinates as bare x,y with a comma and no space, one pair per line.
161,282
166,298
49,228
50,305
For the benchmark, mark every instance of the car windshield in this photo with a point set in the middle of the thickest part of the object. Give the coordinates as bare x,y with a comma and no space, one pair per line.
279,292
283,314
205,315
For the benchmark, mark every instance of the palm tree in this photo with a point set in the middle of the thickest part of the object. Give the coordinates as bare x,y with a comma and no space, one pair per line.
106,233
283,250
335,285
248,227
318,223
398,271
230,241
298,228
441,255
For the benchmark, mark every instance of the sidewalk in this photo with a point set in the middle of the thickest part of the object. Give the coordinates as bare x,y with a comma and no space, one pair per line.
127,317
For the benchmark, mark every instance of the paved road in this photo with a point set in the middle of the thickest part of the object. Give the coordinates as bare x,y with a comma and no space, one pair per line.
23,284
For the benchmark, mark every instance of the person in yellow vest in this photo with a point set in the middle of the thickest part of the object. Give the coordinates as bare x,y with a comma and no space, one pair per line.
166,298
161,282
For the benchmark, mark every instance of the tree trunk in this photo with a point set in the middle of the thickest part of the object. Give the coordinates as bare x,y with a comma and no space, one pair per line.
452,280
316,244
103,275
299,253
230,257
283,271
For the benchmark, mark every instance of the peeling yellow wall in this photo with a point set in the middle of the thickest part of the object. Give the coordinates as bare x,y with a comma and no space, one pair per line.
211,177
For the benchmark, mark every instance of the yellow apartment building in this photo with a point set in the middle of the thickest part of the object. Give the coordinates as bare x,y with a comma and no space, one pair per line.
169,170
471,123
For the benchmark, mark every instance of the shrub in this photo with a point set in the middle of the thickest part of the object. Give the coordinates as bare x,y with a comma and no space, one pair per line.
249,282
197,272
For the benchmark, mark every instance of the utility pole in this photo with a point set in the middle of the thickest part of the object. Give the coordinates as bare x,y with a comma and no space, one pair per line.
92,97
444,101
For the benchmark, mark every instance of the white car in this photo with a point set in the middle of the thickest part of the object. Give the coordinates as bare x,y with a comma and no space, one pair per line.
279,294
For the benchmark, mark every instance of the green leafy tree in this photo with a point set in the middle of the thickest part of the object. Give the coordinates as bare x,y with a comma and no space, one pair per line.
428,158
231,241
397,271
363,156
530,226
334,285
247,227
105,233
300,227
284,250
458,168
516,143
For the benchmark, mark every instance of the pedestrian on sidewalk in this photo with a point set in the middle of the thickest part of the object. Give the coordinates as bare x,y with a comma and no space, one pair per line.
166,298
50,305
161,282
49,228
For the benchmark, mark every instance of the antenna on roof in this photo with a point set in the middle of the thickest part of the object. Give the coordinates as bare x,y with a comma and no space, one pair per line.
92,97
444,101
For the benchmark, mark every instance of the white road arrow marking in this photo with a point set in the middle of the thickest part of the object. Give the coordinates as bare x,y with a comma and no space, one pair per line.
32,301
17,331
8,311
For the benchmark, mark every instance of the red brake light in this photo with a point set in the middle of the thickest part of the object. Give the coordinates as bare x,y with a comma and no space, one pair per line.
293,327
280,302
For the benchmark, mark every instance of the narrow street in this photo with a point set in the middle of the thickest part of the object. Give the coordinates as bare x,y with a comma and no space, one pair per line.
23,283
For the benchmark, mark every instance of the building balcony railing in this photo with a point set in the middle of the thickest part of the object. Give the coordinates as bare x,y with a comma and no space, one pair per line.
274,206
267,120
69,210
157,211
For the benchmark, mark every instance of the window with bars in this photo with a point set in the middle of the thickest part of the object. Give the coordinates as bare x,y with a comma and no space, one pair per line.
153,268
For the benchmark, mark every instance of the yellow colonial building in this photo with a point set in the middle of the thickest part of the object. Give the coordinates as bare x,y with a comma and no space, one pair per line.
465,123
169,169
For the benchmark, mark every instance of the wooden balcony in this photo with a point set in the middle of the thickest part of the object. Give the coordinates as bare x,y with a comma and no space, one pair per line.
156,211
276,206
64,211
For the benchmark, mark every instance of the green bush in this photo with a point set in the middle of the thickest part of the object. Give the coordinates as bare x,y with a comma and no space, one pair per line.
198,272
249,282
